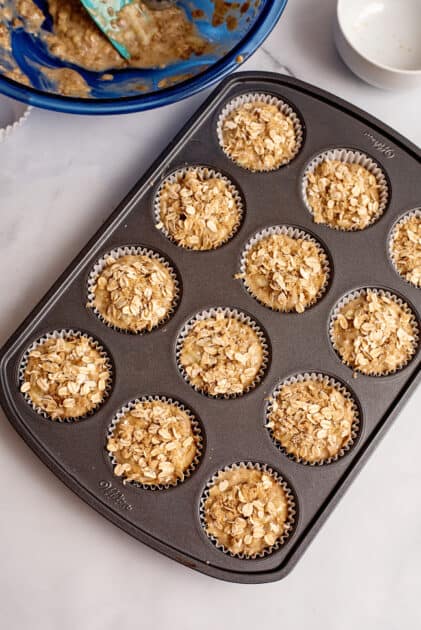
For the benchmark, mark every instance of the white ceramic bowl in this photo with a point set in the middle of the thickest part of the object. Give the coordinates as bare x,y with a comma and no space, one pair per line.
380,40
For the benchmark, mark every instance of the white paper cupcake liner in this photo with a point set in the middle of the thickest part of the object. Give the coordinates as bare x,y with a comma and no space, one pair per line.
295,233
327,380
12,116
207,173
416,212
357,293
269,99
349,156
196,428
241,317
289,523
132,250
66,334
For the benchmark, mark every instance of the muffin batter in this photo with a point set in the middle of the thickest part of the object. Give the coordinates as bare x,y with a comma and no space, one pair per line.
285,273
246,511
406,249
222,355
258,136
68,82
66,377
374,334
134,292
153,443
77,39
343,195
312,419
198,210
169,37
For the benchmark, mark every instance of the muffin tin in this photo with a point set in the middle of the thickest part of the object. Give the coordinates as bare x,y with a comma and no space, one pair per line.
145,365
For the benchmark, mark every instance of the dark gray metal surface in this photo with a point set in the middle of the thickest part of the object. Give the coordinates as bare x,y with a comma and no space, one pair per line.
234,429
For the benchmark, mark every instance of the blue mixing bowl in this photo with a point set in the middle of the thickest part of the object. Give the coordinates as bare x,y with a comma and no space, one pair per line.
160,86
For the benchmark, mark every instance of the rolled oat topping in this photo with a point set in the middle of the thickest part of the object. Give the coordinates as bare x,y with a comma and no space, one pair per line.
312,419
258,136
66,377
198,212
374,334
406,249
221,355
246,511
153,443
343,195
285,273
134,292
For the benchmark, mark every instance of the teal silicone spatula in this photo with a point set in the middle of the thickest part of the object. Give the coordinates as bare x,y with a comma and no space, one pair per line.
105,14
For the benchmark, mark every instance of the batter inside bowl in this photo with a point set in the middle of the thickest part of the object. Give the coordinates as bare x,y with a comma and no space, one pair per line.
74,38
168,36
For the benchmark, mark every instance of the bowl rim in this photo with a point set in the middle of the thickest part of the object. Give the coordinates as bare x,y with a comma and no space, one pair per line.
264,24
381,66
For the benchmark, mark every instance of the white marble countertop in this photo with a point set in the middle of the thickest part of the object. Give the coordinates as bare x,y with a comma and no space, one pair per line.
62,565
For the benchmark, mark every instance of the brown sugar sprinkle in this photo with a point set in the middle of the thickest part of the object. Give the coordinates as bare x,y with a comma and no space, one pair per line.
246,511
134,292
285,273
66,377
406,249
374,333
198,210
153,443
222,355
312,419
343,195
258,136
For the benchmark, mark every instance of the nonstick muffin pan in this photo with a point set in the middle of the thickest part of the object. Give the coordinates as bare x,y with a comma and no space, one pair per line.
233,429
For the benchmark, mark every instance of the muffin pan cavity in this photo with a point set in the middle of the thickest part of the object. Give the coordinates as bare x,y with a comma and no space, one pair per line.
285,269
345,189
198,208
313,418
374,332
65,375
226,414
405,247
222,352
133,289
259,132
248,510
154,443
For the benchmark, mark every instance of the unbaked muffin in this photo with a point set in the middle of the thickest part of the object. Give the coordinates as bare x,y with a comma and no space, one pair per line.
221,355
134,292
405,248
258,136
246,511
284,272
375,333
66,376
154,442
312,419
343,195
198,209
